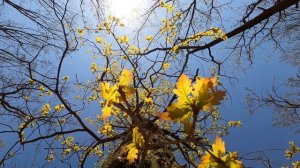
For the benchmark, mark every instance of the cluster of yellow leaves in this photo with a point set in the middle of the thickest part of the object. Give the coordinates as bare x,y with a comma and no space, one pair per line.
43,90
99,40
112,21
28,119
169,27
296,164
50,157
218,158
69,143
113,94
80,31
107,50
193,98
212,32
137,142
169,7
94,67
106,129
149,38
31,82
97,151
133,50
58,108
45,109
166,66
123,39
148,100
116,20
235,123
292,150
70,146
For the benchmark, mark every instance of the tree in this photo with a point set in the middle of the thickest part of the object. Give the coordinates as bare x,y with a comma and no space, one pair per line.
286,105
153,106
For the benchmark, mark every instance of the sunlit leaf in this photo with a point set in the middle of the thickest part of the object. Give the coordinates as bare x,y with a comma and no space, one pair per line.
205,161
132,155
106,112
218,158
137,142
218,147
183,86
137,137
126,78
205,96
175,112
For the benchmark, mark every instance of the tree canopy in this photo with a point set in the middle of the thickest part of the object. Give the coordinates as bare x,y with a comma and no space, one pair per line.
151,94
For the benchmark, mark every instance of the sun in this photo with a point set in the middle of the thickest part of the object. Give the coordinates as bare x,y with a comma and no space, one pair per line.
126,10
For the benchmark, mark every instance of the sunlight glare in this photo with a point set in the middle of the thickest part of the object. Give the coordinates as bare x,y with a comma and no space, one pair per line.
126,10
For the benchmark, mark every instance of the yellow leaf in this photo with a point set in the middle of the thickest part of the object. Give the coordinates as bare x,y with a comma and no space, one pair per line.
94,67
45,109
176,111
132,155
106,111
126,78
183,86
218,147
137,138
99,40
204,94
205,161
105,90
220,158
232,161
110,94
149,38
58,108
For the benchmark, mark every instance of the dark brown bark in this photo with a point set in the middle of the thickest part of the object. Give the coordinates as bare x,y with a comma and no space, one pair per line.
159,157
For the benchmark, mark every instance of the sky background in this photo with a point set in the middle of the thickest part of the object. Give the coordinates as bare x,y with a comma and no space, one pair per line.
257,131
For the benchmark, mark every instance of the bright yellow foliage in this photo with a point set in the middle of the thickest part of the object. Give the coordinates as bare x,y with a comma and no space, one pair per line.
123,39
107,50
137,138
99,40
58,108
45,109
166,66
126,78
113,94
149,38
183,87
137,142
94,67
41,88
106,129
193,98
50,157
132,153
235,123
218,147
292,150
219,158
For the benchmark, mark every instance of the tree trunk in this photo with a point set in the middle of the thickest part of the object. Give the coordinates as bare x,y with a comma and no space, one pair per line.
160,157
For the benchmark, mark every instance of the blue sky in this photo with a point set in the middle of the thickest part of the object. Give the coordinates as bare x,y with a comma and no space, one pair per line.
257,132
